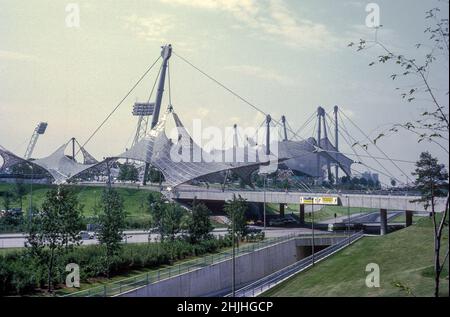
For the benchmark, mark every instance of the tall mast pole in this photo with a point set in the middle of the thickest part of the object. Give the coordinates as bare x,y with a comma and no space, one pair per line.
283,120
336,142
326,137
73,149
166,53
319,136
268,120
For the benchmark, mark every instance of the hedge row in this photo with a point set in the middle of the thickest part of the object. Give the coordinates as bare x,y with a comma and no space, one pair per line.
20,273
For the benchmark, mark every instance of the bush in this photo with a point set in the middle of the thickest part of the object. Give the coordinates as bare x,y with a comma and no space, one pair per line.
22,274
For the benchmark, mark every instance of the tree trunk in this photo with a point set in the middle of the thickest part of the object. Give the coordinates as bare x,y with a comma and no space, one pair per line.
50,270
437,266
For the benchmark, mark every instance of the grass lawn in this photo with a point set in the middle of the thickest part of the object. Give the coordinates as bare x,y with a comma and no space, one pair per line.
134,199
405,256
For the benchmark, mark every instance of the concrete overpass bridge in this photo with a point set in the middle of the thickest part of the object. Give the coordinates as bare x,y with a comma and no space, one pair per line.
382,202
376,201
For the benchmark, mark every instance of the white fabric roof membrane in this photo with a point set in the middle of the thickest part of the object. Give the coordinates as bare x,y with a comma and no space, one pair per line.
306,163
63,168
9,159
156,148
58,165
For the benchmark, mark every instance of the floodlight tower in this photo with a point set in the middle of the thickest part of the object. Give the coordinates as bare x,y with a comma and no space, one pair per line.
40,129
142,110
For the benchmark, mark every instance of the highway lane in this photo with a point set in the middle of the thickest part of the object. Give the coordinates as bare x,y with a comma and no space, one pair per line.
18,240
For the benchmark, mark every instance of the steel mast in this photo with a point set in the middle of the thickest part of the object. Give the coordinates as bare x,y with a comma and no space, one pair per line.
166,53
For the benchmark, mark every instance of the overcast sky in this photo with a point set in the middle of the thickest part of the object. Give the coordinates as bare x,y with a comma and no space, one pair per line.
286,56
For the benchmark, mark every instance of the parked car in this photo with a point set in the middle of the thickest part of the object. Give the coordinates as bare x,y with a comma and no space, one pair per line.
85,235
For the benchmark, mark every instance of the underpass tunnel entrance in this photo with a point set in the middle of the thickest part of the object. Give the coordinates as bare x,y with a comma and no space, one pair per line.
304,251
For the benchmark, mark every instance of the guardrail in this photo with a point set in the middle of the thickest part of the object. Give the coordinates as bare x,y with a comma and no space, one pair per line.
267,282
125,285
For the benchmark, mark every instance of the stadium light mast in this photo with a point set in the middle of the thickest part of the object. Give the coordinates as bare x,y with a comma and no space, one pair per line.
166,53
40,129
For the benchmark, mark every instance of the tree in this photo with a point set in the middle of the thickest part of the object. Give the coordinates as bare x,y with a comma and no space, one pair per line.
155,176
7,196
19,192
128,172
199,224
55,229
111,223
236,209
431,180
393,182
171,221
416,73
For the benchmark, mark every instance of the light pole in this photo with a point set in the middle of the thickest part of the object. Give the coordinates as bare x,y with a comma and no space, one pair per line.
348,219
264,206
233,269
313,238
30,213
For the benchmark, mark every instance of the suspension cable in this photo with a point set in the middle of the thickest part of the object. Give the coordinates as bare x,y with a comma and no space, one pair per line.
120,103
344,128
379,149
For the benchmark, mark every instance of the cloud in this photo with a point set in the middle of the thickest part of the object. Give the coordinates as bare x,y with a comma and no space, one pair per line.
261,73
151,28
16,56
271,19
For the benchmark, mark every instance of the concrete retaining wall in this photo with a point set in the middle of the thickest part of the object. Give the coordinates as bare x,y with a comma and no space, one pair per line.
217,277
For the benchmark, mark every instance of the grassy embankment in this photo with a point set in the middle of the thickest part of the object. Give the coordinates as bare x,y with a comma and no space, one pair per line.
405,256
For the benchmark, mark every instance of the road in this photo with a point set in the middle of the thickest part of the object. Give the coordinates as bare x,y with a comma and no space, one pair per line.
364,217
17,240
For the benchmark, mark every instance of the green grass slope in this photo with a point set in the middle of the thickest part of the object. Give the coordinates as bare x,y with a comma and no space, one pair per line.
405,256
134,199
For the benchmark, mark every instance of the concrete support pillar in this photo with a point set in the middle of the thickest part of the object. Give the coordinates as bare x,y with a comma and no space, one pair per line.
383,222
409,217
281,210
302,214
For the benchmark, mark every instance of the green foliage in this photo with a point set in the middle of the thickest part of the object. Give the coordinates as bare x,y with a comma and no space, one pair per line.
236,210
22,274
199,225
171,221
167,218
111,221
6,198
56,228
431,178
155,176
128,172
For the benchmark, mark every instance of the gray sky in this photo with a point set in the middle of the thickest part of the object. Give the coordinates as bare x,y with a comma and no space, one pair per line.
286,56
